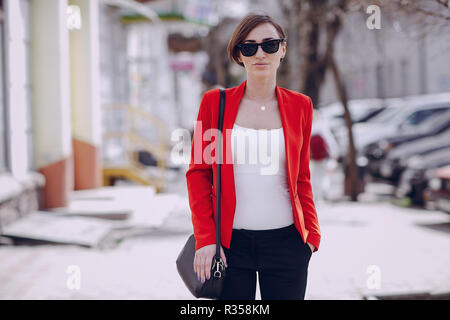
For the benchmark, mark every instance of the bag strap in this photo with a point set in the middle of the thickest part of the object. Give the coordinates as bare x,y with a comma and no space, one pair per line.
218,171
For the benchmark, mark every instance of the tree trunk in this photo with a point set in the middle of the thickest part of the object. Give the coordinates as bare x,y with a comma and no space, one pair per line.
352,185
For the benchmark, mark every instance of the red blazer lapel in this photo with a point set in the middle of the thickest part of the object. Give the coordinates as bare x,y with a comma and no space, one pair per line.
233,98
290,119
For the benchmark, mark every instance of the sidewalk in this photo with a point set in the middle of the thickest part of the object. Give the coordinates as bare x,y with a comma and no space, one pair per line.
407,247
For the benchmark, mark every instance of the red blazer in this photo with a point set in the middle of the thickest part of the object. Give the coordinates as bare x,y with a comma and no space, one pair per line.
296,115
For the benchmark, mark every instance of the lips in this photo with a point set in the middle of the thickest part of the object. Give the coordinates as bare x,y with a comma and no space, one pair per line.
261,64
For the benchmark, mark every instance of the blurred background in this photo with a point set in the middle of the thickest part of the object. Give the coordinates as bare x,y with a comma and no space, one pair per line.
98,100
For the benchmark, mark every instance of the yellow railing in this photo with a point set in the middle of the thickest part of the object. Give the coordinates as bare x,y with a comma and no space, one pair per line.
134,141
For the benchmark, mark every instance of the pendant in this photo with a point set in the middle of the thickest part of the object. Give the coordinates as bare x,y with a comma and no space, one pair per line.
263,108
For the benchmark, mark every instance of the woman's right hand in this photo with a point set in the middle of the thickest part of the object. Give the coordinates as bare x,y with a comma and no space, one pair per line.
203,260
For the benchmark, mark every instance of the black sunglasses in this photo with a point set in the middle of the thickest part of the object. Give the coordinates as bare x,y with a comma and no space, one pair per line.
270,46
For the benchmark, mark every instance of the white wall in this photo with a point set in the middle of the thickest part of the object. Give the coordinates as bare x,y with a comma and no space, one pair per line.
17,77
51,83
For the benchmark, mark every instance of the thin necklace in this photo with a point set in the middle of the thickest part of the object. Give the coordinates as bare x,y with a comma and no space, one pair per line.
263,107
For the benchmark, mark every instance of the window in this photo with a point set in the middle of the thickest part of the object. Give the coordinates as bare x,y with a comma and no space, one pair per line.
386,115
421,115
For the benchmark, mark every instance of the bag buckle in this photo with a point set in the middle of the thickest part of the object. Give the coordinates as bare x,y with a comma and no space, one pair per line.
219,266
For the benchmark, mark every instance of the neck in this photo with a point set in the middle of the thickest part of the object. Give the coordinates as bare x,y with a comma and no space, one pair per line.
260,89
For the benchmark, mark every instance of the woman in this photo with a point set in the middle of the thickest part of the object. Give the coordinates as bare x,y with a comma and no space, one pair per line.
269,225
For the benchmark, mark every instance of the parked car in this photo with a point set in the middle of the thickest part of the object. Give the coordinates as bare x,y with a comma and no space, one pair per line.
406,115
397,160
361,110
438,190
384,157
419,171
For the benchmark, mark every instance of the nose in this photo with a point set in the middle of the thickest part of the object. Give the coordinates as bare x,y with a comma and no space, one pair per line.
260,52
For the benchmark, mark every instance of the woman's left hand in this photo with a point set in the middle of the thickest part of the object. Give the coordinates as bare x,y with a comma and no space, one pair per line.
311,246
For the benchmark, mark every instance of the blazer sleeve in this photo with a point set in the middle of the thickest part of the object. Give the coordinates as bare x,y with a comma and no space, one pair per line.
199,181
304,188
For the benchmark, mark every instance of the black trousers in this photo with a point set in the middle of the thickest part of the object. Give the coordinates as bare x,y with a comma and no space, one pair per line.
279,256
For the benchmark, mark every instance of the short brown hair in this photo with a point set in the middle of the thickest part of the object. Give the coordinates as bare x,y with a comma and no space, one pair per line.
244,28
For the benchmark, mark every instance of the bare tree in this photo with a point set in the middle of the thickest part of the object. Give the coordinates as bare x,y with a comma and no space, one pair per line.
215,44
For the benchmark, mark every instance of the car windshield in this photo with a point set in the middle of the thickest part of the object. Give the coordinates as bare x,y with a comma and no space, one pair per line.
437,120
419,116
385,115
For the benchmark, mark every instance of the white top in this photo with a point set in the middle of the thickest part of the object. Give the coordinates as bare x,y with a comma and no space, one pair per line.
262,190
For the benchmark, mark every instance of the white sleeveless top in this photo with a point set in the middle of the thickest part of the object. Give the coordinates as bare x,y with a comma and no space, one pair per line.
262,190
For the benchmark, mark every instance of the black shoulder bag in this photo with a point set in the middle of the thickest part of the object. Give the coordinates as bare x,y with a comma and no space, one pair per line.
185,262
